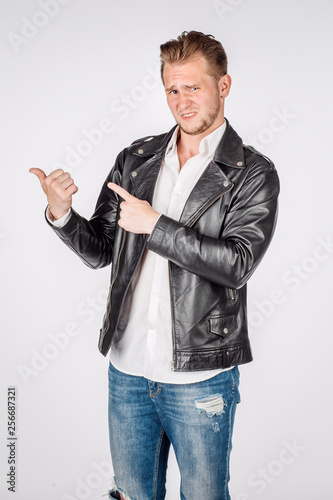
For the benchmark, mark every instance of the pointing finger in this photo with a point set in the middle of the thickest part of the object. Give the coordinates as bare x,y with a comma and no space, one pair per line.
121,191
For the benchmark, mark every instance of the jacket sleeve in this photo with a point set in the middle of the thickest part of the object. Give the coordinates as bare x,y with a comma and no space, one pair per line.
92,240
247,230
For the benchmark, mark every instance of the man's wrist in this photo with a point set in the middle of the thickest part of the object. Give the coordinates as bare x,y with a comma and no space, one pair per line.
54,215
156,221
60,222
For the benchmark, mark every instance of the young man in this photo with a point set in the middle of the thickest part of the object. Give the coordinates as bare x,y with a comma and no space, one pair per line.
184,218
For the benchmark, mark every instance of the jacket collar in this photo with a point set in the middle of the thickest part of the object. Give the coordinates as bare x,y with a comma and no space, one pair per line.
228,152
230,149
154,145
212,184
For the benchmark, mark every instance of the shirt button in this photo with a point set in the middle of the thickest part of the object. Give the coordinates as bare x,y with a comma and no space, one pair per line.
239,163
225,183
140,151
134,174
151,327
225,330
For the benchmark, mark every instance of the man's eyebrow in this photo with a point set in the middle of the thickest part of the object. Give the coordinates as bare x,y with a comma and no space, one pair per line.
167,89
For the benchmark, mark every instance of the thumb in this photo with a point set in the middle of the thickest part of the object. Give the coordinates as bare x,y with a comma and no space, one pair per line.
40,174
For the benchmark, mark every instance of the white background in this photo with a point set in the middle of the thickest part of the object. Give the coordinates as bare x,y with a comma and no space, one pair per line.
82,62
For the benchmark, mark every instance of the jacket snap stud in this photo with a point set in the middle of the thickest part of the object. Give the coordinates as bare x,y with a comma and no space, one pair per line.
134,174
225,183
225,330
239,163
140,151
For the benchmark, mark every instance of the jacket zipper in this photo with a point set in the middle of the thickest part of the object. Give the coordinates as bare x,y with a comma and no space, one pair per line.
211,203
172,322
111,286
172,313
232,295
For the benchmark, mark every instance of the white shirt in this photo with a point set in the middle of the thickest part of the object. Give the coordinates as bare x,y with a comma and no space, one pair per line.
146,346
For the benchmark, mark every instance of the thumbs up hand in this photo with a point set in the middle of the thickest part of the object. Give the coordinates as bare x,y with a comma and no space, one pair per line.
59,188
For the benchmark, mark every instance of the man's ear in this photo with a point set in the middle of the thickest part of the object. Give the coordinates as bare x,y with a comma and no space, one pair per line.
224,85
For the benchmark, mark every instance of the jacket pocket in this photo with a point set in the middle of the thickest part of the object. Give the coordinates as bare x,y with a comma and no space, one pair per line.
223,325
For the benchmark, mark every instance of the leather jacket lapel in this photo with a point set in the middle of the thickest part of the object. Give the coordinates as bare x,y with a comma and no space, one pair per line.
212,185
144,178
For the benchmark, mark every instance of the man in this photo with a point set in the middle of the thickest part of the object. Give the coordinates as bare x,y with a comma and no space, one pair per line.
184,218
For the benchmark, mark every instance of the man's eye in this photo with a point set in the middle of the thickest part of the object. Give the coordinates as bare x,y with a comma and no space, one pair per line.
173,91
194,88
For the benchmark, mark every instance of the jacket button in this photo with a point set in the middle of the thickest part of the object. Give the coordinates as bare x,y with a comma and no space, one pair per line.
225,330
225,183
134,174
239,163
140,151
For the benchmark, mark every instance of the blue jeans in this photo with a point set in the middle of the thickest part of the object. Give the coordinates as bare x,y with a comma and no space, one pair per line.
145,417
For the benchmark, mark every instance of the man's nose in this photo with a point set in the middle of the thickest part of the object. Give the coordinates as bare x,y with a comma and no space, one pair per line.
184,101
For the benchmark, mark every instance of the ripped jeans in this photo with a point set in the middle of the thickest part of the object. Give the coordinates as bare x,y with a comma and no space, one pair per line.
145,417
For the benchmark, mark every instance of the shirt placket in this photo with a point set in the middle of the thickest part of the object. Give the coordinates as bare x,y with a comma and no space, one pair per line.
155,340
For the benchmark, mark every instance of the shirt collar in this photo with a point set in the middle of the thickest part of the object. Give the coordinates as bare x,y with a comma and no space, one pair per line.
209,143
207,146
172,146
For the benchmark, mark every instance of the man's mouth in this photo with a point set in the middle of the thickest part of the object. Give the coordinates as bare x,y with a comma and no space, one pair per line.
187,116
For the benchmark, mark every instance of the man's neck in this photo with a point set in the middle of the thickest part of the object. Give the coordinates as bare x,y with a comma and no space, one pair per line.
188,145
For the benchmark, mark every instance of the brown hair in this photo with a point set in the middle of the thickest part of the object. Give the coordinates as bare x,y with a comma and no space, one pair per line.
192,44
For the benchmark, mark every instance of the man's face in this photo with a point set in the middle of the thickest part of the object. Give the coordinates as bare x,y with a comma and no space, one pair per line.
194,97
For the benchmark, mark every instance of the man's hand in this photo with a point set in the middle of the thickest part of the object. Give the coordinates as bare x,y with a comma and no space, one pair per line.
59,188
136,216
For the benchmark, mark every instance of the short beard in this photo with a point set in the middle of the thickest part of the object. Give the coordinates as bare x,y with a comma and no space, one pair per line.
199,130
205,124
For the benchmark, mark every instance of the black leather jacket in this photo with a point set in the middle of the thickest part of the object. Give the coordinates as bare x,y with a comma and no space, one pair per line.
224,230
